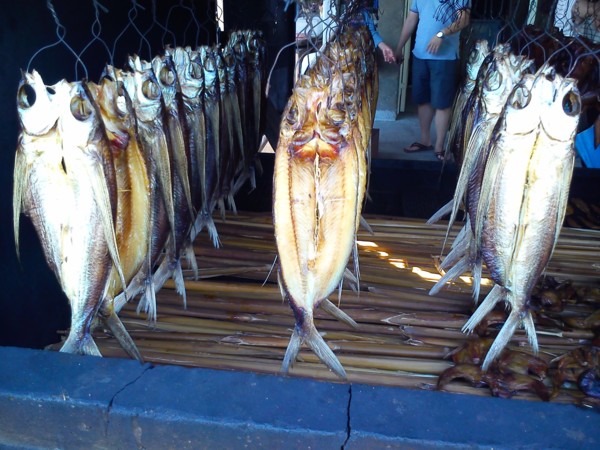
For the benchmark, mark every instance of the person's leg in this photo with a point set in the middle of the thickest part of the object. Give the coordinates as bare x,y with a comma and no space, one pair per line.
443,91
426,112
442,122
421,96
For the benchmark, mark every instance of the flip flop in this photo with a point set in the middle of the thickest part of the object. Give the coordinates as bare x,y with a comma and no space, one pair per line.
440,155
417,147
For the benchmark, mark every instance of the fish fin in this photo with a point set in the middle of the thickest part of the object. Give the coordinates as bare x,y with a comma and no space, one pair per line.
443,211
336,312
180,282
190,256
529,327
114,324
292,351
80,346
502,339
459,248
462,266
205,220
102,198
476,272
493,297
231,203
314,340
148,301
20,181
366,226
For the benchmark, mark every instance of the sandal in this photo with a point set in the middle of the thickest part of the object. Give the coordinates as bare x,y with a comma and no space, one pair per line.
440,155
417,147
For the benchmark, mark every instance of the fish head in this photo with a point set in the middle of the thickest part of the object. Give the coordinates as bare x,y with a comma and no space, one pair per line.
561,102
209,66
190,78
37,110
147,99
478,53
521,112
78,114
502,75
166,77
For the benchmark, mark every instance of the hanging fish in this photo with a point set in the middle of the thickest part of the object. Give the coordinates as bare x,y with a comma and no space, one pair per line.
318,192
453,144
524,194
209,170
66,183
179,155
143,89
502,73
133,217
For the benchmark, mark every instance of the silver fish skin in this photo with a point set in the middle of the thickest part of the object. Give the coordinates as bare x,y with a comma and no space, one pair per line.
524,195
501,75
68,188
179,156
145,95
478,53
209,172
190,84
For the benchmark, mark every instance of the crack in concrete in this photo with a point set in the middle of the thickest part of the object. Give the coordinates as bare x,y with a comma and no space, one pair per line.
348,426
110,403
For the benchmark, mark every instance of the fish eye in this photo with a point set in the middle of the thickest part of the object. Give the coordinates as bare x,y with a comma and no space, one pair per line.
80,108
571,104
292,115
150,90
50,90
167,77
26,96
520,97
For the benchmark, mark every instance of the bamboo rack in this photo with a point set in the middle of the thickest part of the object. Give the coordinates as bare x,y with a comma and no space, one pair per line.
236,319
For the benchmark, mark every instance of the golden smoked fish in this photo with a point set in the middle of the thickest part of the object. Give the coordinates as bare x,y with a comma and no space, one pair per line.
524,195
133,218
318,190
66,183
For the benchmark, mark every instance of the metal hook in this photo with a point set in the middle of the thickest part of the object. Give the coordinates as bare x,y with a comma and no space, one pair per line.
61,32
131,16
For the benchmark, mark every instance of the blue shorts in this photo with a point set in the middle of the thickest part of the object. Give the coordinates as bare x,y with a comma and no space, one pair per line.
434,81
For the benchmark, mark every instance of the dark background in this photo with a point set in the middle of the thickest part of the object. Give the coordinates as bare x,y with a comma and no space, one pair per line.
32,306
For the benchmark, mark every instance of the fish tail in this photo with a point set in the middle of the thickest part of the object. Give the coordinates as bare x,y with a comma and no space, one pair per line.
221,206
148,301
80,345
231,203
493,297
205,220
305,332
179,282
459,250
529,327
507,331
477,268
114,324
457,270
443,211
190,256
336,312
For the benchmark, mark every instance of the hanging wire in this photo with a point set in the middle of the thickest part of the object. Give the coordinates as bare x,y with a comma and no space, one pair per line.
161,26
61,32
131,16
192,19
96,30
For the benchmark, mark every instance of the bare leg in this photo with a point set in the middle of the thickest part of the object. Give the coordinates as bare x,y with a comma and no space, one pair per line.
425,112
442,122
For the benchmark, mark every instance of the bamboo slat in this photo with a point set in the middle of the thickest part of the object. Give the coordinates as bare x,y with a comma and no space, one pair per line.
236,320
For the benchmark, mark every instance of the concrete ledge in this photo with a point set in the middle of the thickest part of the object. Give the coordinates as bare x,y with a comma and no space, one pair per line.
55,400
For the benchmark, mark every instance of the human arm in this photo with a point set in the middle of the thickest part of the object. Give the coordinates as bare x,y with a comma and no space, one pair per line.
463,18
408,28
388,54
